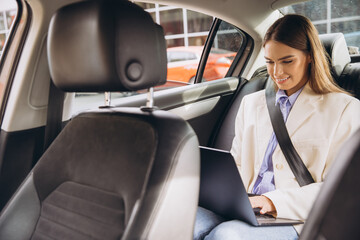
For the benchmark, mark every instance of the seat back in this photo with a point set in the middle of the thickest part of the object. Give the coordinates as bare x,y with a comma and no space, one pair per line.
350,79
114,173
336,48
346,73
335,212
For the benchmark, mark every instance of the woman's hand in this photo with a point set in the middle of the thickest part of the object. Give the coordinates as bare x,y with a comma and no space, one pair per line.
264,203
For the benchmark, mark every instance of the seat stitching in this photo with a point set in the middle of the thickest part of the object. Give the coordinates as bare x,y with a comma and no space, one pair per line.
71,211
88,201
75,230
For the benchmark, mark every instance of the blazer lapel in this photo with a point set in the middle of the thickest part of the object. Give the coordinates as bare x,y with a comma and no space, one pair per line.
263,129
304,107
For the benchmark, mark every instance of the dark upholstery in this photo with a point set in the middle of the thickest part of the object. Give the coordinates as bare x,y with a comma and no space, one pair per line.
355,58
94,212
227,130
350,79
335,213
119,48
114,173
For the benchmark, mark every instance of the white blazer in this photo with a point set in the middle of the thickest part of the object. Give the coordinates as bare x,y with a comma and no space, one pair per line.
318,124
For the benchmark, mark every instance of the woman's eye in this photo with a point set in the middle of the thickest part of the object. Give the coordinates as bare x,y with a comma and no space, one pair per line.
288,61
269,61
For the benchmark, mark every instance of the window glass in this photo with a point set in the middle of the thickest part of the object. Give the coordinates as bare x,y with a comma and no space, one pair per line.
176,56
2,41
227,43
183,63
322,28
347,27
331,16
174,42
10,16
153,15
172,21
198,22
315,10
146,5
8,10
197,41
2,22
345,8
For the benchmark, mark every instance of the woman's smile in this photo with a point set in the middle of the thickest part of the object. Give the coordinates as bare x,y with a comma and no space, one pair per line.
287,66
281,80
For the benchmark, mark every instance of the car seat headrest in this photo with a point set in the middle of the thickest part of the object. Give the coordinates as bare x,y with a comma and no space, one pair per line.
336,47
96,46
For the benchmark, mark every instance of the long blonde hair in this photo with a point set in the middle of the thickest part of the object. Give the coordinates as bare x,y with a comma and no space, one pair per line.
298,32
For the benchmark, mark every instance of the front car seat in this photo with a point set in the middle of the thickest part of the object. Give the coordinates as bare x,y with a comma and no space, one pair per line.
335,212
113,173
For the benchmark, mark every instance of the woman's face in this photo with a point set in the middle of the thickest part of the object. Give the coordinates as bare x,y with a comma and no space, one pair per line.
287,66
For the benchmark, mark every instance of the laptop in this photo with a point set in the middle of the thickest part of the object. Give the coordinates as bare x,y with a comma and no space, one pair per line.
222,191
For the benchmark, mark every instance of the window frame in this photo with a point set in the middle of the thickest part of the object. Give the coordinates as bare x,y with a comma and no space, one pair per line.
207,49
12,50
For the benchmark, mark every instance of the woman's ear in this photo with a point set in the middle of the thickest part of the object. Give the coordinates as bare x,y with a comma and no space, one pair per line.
309,58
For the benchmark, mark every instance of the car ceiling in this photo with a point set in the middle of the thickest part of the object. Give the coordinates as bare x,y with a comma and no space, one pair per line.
246,14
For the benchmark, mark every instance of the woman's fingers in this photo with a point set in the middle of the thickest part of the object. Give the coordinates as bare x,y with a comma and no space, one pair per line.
264,203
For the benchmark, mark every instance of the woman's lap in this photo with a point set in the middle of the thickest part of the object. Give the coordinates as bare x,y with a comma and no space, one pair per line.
205,222
213,227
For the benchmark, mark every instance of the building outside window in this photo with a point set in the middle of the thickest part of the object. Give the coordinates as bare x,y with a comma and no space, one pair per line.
182,27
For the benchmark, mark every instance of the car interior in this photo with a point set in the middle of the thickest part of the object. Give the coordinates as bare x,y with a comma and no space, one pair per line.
129,168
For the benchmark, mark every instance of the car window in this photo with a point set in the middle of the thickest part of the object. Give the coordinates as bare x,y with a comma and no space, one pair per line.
8,11
185,33
178,55
227,43
330,16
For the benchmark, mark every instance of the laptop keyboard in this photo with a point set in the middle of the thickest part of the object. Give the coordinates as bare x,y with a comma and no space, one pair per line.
264,217
260,216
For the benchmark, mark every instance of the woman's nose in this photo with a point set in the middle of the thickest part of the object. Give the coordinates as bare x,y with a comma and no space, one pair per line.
278,70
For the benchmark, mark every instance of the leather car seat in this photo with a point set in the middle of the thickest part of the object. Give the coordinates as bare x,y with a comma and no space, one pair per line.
336,48
113,173
346,73
335,212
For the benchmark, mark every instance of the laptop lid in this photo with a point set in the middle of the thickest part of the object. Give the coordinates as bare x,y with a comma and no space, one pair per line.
222,190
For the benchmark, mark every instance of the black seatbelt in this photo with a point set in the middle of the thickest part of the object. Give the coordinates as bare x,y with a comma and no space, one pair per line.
297,166
54,114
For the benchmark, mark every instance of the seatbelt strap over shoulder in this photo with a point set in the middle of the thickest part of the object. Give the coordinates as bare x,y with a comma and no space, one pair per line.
54,114
297,166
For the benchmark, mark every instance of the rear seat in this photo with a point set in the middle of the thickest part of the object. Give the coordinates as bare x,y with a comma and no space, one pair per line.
350,79
346,74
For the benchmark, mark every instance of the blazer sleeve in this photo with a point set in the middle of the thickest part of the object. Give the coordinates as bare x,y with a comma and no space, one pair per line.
295,203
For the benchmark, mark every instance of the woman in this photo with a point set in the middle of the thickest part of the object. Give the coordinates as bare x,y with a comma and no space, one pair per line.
319,118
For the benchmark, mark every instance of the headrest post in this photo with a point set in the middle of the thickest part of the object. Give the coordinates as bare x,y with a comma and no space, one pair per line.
107,99
150,98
